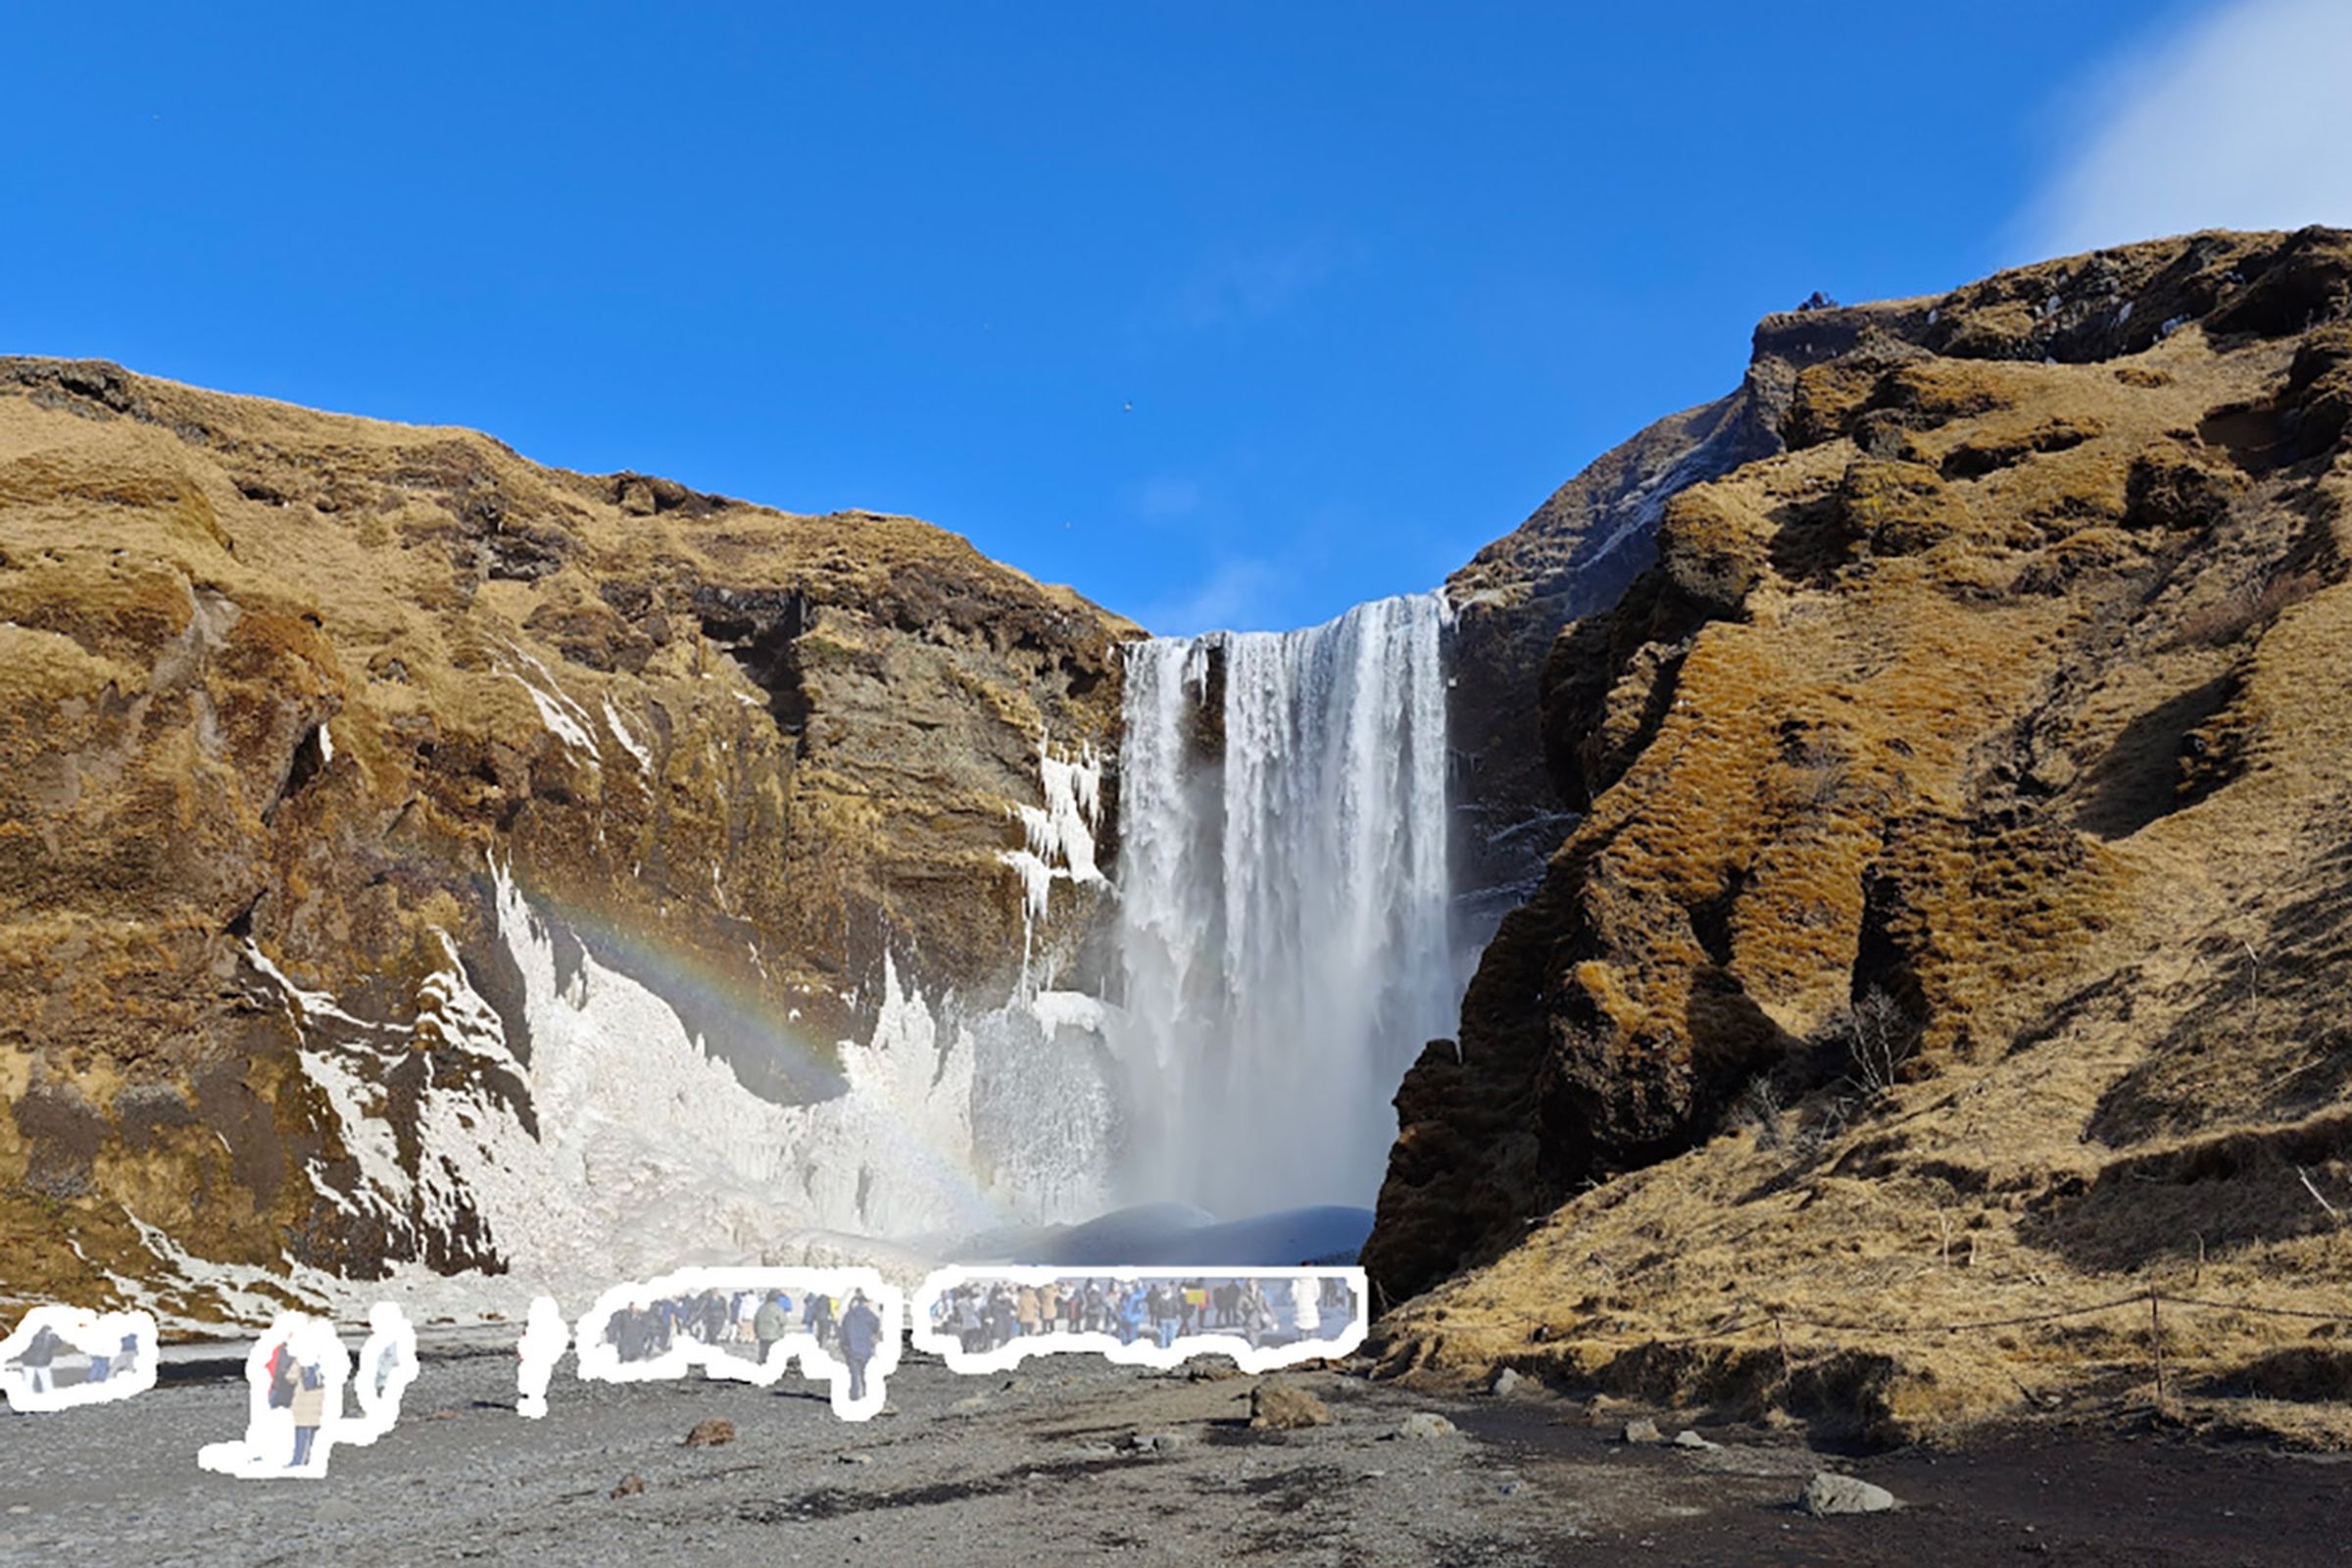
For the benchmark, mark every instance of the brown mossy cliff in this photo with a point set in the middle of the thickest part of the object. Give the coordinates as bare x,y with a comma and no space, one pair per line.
1998,726
1575,556
277,686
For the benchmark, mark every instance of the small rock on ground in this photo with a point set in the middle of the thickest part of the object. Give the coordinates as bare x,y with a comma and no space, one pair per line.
1426,1424
1687,1438
629,1486
1642,1429
1284,1407
1506,1382
1827,1495
711,1434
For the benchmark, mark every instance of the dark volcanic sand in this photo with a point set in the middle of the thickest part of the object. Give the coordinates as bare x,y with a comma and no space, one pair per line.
1032,1468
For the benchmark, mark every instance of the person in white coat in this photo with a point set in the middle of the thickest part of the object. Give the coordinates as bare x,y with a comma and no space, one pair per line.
545,1335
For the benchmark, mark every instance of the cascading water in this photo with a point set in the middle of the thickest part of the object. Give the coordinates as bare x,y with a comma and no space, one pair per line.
1284,902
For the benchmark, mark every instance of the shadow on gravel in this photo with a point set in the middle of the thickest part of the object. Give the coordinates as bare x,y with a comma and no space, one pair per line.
833,1503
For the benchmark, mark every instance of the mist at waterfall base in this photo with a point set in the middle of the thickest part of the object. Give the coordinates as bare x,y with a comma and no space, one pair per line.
1284,942
1211,1085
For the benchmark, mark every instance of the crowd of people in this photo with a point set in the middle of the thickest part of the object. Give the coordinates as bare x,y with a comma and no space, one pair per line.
47,1362
983,1315
644,1331
747,1322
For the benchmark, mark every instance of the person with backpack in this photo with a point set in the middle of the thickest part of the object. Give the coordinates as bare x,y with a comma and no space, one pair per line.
281,1379
1131,1313
772,1322
308,1401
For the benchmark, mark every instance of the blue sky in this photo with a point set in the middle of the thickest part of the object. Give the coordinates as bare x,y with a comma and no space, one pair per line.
1374,278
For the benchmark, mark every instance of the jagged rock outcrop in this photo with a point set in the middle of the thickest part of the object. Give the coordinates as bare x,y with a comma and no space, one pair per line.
1966,852
279,688
1575,556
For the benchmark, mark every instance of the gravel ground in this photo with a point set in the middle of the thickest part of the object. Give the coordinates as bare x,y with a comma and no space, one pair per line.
978,1471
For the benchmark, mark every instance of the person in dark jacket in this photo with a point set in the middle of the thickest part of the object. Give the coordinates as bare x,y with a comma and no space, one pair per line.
820,1321
1002,1324
38,1356
861,1337
716,1317
634,1332
1167,1307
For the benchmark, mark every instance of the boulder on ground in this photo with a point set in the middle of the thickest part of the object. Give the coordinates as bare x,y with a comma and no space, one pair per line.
711,1434
1642,1429
1687,1438
628,1486
1426,1424
1826,1496
1286,1407
1506,1383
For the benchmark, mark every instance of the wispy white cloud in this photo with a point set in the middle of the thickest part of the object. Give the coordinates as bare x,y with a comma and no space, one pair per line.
1165,498
2239,119
1239,285
1238,594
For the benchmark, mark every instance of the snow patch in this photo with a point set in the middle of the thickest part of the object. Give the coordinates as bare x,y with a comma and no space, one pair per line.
1067,1010
628,742
565,718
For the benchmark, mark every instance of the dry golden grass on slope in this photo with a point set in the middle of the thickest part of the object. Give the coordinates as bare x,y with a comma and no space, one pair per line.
285,682
2008,709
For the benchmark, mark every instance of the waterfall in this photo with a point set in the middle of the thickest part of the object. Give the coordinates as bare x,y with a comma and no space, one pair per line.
1284,889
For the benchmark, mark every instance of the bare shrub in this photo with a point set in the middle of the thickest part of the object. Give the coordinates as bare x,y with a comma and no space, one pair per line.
1757,1110
1819,1125
1879,1039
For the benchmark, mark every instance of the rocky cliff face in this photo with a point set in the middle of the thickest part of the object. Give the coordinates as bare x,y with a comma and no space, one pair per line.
1963,895
282,694
1575,557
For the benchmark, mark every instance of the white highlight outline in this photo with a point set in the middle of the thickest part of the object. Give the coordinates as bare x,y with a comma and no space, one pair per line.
78,1328
599,1360
1144,1351
546,1336
390,1335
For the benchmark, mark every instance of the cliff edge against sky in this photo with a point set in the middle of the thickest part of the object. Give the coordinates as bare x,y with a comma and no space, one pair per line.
279,688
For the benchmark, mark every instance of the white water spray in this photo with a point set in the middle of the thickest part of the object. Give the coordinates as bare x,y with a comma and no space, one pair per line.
1284,902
